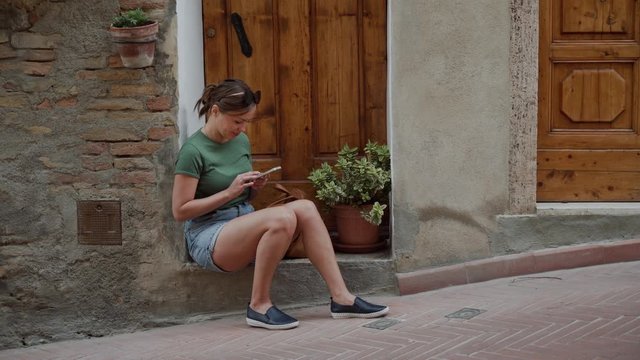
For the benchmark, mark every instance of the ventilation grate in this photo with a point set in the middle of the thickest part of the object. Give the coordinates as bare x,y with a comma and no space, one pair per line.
99,222
382,324
465,313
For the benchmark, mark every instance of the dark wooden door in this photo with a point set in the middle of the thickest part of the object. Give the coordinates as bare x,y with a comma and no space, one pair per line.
589,89
321,67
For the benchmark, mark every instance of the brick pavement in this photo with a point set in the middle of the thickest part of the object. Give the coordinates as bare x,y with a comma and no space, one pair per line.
584,313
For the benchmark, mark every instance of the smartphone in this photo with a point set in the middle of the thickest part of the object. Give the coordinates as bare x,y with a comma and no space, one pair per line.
277,168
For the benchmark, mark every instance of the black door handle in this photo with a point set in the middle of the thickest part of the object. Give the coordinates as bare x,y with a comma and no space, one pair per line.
245,46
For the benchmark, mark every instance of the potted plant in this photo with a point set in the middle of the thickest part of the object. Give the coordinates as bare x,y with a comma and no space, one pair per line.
356,188
135,37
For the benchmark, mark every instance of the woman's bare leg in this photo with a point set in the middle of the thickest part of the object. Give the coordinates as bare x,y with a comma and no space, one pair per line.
264,236
318,247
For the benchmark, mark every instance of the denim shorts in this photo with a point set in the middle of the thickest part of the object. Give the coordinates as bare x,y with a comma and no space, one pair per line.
202,232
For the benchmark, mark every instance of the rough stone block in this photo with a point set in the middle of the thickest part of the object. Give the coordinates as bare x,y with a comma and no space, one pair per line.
28,40
160,133
37,68
132,163
121,90
14,101
134,149
110,135
144,4
49,164
160,103
95,63
83,178
7,52
4,36
95,148
39,130
134,177
11,86
7,66
115,61
133,116
115,104
44,104
91,116
37,55
36,85
68,102
97,163
110,74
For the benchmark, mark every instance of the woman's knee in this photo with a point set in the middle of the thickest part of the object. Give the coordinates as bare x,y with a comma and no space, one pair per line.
304,207
282,219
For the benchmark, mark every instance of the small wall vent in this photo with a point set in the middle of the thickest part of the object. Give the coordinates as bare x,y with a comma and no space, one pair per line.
99,222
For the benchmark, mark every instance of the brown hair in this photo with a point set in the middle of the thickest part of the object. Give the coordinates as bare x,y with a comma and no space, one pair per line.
231,95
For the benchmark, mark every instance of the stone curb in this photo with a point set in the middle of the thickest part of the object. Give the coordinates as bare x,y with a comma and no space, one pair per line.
518,264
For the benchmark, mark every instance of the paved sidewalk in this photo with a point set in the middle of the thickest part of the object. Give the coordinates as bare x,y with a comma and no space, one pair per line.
584,313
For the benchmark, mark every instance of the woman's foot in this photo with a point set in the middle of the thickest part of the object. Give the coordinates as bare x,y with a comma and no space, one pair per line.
359,309
273,319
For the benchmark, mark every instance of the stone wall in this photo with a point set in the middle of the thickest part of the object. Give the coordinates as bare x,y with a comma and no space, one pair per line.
77,125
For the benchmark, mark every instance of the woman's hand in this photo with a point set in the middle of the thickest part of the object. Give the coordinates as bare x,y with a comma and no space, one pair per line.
243,181
260,182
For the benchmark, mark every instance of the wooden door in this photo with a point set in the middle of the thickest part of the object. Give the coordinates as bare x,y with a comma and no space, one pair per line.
321,67
588,126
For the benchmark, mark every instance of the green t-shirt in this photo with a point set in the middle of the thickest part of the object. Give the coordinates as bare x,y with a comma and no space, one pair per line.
215,165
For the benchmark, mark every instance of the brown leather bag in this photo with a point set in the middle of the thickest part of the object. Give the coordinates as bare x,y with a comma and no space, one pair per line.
296,249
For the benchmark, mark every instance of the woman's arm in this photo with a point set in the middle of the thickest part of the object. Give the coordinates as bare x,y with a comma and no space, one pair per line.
184,205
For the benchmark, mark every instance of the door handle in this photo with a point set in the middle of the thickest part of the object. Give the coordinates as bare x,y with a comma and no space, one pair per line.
245,46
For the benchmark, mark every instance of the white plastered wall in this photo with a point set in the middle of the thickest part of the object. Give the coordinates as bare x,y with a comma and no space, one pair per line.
190,65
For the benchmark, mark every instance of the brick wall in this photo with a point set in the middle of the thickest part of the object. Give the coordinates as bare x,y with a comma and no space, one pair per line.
77,125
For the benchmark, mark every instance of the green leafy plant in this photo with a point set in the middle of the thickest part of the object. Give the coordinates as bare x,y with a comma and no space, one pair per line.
374,215
131,18
356,180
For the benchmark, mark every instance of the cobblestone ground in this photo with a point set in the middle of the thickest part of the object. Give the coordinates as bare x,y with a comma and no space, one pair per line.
584,313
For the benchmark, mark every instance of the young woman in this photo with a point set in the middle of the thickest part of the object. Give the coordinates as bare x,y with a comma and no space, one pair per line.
213,183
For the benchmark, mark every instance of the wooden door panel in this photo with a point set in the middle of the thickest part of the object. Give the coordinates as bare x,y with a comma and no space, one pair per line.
589,88
336,75
374,71
258,69
294,74
321,67
592,96
599,160
589,185
594,19
215,30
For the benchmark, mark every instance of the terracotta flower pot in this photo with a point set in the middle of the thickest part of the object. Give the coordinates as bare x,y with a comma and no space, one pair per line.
355,234
136,45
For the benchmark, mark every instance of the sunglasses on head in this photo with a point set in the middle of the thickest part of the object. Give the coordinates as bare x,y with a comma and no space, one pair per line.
251,97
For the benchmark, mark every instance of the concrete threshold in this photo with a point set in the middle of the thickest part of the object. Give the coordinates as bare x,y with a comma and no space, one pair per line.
582,208
519,264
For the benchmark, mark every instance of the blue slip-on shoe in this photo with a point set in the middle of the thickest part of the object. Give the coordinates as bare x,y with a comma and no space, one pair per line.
274,319
359,309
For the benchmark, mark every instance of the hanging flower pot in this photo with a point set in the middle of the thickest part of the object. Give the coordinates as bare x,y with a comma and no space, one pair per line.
135,38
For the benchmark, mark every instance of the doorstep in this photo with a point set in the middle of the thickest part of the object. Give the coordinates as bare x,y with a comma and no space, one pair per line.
591,208
519,264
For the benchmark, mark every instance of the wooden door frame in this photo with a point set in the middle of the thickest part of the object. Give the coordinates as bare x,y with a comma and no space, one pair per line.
524,84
